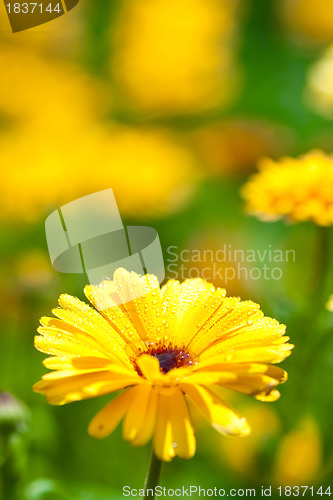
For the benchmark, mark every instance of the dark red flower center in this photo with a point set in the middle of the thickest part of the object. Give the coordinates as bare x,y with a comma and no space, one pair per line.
169,357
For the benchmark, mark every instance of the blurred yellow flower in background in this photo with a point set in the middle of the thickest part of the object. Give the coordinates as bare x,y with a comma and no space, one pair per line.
162,346
299,189
46,170
310,19
31,79
319,84
59,148
175,56
150,171
299,456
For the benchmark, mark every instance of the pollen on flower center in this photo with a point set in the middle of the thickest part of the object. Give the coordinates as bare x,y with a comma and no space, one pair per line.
169,357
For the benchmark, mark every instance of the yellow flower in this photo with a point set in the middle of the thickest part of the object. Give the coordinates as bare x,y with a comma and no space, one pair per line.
175,56
149,169
29,81
300,189
312,19
162,349
299,456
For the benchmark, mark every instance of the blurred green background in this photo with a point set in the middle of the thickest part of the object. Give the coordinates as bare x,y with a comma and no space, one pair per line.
170,103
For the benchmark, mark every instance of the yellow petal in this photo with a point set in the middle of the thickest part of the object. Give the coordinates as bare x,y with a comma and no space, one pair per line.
260,385
57,342
182,429
221,315
233,334
162,439
254,379
269,397
109,417
58,363
206,377
145,432
137,412
101,297
141,302
271,354
184,306
59,338
75,386
150,368
85,318
242,369
223,418
93,363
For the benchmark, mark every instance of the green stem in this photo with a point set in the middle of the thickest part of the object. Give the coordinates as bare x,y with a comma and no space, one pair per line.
153,475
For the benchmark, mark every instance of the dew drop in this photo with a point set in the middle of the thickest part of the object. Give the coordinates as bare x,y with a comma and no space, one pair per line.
229,357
